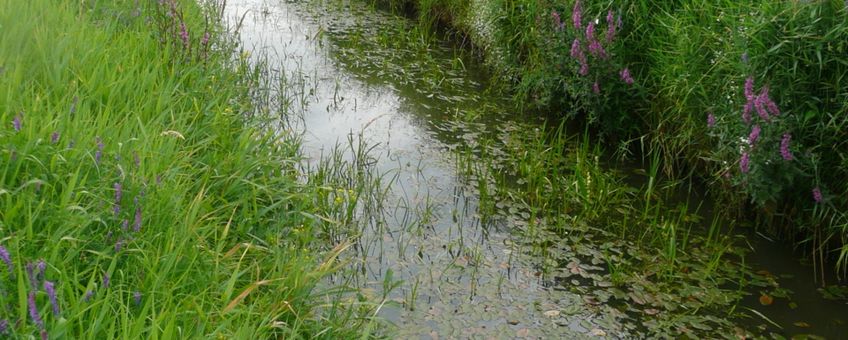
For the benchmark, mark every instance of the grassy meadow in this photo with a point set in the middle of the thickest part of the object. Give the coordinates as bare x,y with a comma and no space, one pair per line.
141,196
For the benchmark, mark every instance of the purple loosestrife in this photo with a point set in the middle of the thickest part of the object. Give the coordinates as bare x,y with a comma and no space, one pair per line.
577,54
577,15
743,163
754,135
7,259
557,20
817,195
137,222
760,103
50,288
33,310
749,88
16,123
784,147
596,88
611,27
595,48
711,120
184,34
626,77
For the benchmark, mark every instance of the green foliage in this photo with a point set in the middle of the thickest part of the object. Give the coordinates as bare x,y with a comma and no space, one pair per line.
130,168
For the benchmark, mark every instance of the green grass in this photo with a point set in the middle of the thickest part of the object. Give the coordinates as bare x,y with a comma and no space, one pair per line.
108,95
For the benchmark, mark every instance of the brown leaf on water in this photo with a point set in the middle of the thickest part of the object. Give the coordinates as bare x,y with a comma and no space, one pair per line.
802,324
766,300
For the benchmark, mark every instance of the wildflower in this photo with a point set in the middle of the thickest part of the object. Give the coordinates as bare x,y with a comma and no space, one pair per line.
749,88
772,107
7,259
584,69
137,222
595,47
817,195
33,310
625,76
576,50
596,88
42,267
784,147
16,123
611,27
205,40
743,163
4,326
54,137
760,103
746,112
50,288
184,34
577,15
137,298
106,280
119,193
30,269
711,120
88,295
99,154
557,20
118,245
754,135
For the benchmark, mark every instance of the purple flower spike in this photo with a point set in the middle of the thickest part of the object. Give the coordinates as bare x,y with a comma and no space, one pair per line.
205,40
760,103
50,288
749,88
611,27
54,137
118,245
784,147
88,295
746,112
4,327
743,163
7,259
817,195
16,123
576,50
584,69
42,267
33,310
137,298
184,34
99,154
555,17
754,135
33,281
772,107
596,88
106,280
577,15
44,334
711,120
137,222
626,77
119,192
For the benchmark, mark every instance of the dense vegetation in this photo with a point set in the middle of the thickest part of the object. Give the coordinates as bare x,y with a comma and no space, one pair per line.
749,97
140,196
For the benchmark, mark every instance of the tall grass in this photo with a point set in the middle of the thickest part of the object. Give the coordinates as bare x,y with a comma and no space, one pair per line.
139,197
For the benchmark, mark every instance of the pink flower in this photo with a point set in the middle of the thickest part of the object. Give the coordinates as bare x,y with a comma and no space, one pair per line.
817,195
596,88
755,134
611,27
743,163
625,76
711,120
784,147
749,88
577,15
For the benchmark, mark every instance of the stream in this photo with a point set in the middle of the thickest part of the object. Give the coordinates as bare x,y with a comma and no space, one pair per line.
443,268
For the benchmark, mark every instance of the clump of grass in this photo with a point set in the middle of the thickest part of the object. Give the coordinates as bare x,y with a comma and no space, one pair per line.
139,196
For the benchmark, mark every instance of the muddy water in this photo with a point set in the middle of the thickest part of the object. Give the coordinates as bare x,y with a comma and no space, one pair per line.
458,274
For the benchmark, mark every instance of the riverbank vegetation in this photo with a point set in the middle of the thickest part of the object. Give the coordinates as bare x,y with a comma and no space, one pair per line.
747,98
142,193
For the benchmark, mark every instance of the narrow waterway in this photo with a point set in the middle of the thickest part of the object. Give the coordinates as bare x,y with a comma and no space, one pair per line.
449,270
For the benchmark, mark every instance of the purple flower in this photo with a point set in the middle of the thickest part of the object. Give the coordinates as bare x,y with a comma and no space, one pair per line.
772,107
576,50
106,280
760,103
611,27
557,20
711,120
42,267
119,193
118,245
817,195
137,222
99,154
784,147
33,281
50,288
125,225
4,326
743,163
577,15
596,88
33,310
584,69
184,34
590,31
754,135
16,123
137,298
746,112
7,259
54,137
88,295
205,40
749,88
625,76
